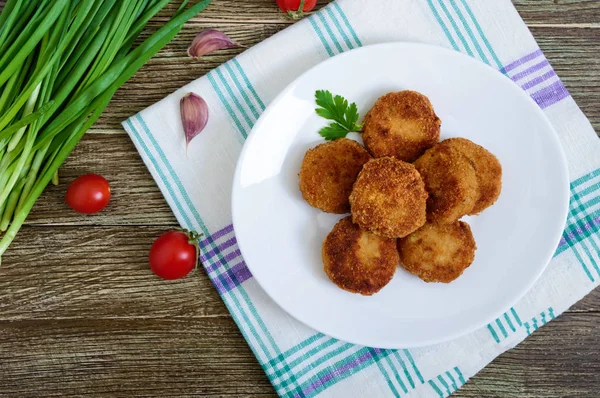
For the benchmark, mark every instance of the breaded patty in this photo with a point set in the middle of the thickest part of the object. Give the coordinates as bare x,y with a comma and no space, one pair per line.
389,198
402,125
328,172
357,260
438,252
451,182
487,168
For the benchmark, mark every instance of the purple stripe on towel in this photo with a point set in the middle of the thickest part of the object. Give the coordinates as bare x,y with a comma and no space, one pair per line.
339,371
521,61
530,70
573,235
217,235
219,263
538,80
223,246
232,278
550,95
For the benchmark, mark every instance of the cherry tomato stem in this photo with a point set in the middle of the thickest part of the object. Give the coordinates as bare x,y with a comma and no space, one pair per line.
296,9
194,240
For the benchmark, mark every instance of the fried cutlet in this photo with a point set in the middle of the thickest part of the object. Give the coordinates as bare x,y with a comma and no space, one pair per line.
389,198
357,260
401,124
438,252
451,182
328,172
487,168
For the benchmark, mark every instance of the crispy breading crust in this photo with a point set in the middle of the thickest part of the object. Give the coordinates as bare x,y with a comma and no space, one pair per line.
451,182
357,260
328,172
438,252
389,198
487,168
401,124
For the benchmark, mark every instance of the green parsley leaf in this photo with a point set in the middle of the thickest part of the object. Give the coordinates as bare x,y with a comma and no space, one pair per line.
333,132
337,109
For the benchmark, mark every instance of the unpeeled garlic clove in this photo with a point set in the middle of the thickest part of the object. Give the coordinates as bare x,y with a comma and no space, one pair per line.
208,41
194,115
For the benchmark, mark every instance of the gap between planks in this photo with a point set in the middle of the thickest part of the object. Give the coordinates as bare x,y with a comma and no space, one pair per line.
288,22
593,25
113,318
80,224
17,319
105,131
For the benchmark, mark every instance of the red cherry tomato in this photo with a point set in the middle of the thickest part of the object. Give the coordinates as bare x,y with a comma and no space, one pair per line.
88,194
174,254
292,7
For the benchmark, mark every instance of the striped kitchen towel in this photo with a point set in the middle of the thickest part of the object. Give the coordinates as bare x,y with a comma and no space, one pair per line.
301,362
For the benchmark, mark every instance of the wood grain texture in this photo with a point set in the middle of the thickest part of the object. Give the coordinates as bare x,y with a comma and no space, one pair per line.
81,315
133,357
559,12
135,198
559,360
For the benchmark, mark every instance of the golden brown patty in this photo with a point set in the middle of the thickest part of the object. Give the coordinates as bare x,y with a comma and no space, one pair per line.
328,172
358,261
389,198
451,182
438,252
402,125
487,168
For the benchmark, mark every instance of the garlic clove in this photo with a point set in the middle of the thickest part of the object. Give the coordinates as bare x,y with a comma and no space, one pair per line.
194,116
208,41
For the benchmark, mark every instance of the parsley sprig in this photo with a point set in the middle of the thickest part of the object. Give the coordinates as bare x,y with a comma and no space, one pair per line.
344,115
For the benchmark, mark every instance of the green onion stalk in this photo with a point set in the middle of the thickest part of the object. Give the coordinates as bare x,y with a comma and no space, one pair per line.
61,61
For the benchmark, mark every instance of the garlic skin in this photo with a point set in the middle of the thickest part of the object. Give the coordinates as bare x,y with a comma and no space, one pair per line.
194,116
208,41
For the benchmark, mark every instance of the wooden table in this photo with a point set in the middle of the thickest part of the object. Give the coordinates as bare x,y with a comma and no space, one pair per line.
81,314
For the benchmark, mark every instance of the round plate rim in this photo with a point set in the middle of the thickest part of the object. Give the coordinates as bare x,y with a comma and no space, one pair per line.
398,46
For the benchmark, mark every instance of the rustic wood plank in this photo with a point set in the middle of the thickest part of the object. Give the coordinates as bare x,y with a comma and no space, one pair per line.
182,357
96,273
559,11
559,360
135,198
119,357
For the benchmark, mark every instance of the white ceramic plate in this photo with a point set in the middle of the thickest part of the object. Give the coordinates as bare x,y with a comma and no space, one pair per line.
280,235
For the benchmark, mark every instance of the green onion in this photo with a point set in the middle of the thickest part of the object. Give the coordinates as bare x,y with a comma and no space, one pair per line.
61,61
